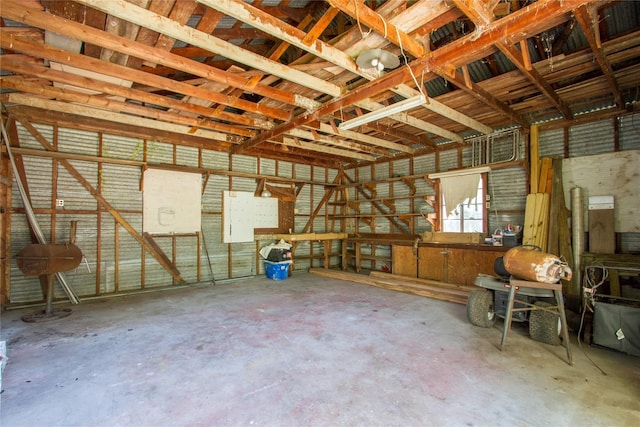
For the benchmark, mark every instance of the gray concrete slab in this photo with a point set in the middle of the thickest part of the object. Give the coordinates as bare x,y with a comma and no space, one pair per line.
306,351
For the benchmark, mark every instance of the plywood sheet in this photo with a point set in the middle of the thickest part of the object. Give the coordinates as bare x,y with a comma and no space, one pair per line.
602,237
431,263
404,261
614,174
171,202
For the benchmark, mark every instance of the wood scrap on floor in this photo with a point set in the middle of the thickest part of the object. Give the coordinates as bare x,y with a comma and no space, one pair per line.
427,288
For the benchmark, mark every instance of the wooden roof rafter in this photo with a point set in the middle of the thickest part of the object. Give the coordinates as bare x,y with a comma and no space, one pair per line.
587,17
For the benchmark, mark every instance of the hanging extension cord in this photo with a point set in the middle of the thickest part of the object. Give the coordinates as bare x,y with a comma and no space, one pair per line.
589,298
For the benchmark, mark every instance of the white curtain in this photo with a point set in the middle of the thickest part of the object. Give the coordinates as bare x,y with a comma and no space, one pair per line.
456,189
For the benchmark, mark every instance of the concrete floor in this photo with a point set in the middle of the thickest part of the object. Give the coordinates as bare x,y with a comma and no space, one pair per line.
306,351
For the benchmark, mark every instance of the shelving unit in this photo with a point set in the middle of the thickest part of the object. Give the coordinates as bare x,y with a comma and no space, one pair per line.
383,207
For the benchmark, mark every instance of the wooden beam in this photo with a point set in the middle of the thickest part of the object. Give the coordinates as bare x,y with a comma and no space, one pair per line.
79,31
101,103
295,142
518,59
363,14
254,17
21,65
33,101
146,79
378,142
475,90
587,17
163,25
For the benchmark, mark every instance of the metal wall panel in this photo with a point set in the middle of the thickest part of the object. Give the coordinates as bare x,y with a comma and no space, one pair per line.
29,141
268,167
302,172
630,242
551,143
364,174
187,156
285,169
246,164
303,205
424,164
508,192
448,160
591,138
629,132
78,142
401,167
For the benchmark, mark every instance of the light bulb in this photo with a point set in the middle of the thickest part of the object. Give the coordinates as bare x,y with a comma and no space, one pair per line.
380,66
375,62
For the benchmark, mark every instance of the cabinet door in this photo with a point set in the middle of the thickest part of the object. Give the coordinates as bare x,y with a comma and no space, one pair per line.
432,263
486,261
464,265
404,261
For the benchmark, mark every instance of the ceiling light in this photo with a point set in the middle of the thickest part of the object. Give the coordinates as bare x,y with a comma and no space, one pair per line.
378,59
398,107
266,193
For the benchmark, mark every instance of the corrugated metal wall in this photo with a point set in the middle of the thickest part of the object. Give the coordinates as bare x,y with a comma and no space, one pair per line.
121,267
115,261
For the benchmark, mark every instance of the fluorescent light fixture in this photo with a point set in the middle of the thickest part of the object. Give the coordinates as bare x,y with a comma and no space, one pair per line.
398,107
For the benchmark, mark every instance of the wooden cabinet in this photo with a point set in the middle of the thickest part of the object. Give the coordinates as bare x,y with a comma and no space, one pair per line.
459,265
404,260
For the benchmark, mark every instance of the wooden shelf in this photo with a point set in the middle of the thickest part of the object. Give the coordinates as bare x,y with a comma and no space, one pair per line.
385,180
375,215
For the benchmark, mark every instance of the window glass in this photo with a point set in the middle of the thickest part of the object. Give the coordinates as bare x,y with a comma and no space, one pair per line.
467,217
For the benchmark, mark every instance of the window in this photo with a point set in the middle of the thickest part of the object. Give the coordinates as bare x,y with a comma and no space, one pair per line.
468,216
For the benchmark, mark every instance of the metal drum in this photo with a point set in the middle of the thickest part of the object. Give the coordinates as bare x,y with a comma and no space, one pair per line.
536,266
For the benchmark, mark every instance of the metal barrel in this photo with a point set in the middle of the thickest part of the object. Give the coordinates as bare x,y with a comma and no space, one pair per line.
50,258
536,266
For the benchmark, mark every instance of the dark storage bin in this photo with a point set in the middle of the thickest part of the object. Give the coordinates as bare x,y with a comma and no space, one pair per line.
509,240
278,255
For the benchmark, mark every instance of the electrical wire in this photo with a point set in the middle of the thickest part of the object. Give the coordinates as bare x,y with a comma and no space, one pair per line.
589,293
362,33
406,62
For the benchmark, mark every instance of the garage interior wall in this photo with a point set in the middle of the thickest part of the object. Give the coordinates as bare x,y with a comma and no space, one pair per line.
116,263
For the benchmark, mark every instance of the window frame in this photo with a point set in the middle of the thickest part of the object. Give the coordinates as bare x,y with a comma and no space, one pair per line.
484,207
